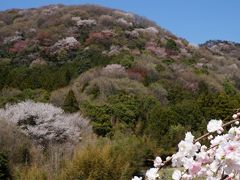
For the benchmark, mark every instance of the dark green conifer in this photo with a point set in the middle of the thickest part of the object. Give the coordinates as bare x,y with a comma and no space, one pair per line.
70,103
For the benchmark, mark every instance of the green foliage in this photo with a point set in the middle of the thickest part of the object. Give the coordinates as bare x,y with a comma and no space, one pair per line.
96,163
200,71
192,113
150,78
126,155
122,108
229,88
4,168
177,93
170,140
100,116
172,45
70,103
189,61
93,55
125,60
138,43
134,149
218,106
39,95
168,61
189,114
46,77
15,95
160,68
160,119
31,173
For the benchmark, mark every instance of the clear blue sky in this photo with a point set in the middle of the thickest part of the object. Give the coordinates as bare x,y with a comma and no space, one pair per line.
195,20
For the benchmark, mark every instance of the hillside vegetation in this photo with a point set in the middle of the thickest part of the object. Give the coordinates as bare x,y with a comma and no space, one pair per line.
111,88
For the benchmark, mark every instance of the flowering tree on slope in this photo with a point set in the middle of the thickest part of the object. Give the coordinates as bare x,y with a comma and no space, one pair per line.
45,122
219,161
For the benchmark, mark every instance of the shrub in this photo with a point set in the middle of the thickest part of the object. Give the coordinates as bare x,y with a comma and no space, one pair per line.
189,61
95,163
145,70
97,86
19,47
15,144
70,103
168,61
93,56
229,88
159,92
31,173
124,109
127,61
126,155
171,47
103,37
39,95
114,70
160,68
4,168
106,20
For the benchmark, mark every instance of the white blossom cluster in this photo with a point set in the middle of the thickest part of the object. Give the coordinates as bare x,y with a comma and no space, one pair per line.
115,50
152,31
114,70
12,39
221,160
45,122
124,14
67,43
84,22
124,22
149,30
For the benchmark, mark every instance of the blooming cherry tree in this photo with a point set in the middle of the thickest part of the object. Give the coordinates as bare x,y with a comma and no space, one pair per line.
219,161
45,122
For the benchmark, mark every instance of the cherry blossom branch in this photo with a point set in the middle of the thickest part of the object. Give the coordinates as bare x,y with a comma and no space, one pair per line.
223,126
199,139
200,160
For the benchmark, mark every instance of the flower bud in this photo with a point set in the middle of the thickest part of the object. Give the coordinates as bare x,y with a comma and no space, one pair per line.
168,158
210,137
235,116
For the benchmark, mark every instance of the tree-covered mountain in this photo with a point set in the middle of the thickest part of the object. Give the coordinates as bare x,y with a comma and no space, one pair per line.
140,86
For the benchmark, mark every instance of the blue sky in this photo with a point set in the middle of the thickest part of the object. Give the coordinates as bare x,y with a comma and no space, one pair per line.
195,20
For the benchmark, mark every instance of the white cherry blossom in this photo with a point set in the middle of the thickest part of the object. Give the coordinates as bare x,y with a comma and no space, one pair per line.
220,160
214,125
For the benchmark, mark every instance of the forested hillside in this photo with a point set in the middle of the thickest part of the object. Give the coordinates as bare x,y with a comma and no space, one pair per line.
111,88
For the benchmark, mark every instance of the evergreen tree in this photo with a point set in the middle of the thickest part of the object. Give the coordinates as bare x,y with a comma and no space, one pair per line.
70,103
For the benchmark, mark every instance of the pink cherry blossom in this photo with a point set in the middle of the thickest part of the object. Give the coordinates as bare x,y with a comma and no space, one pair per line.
220,160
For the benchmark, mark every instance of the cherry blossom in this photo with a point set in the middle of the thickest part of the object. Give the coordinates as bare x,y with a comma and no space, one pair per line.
219,160
45,122
177,175
214,125
157,162
152,174
136,178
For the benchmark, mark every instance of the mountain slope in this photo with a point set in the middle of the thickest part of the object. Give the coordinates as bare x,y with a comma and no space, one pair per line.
102,54
104,89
